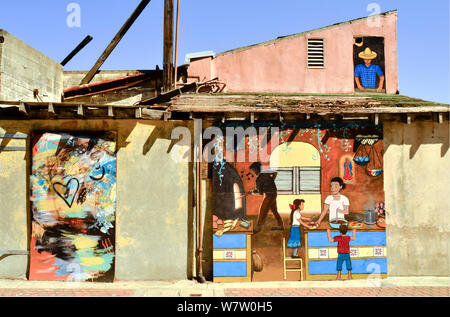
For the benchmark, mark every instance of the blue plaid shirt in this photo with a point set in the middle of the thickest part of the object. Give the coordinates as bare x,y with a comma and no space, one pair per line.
368,75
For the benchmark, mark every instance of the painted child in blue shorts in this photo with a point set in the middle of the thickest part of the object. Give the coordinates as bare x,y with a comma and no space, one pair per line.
343,250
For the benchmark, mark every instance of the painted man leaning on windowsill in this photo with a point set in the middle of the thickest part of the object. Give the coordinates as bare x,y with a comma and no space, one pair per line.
366,74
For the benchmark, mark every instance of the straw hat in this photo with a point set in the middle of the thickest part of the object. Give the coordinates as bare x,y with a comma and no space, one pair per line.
367,54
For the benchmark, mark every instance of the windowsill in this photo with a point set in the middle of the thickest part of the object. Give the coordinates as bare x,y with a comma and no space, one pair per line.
369,91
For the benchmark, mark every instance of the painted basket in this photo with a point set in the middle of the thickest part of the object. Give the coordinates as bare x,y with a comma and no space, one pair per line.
374,172
361,160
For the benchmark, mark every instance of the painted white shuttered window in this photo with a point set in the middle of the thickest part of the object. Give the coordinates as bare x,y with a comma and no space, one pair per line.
316,54
285,180
309,179
298,180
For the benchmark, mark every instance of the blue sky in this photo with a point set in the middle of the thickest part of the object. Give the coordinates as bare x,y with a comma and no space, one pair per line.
423,31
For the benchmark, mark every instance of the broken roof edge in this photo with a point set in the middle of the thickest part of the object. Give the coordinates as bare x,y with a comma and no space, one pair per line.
281,38
377,100
190,56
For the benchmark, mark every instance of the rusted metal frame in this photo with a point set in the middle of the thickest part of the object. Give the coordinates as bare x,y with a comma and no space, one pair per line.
123,30
166,97
129,85
77,49
108,84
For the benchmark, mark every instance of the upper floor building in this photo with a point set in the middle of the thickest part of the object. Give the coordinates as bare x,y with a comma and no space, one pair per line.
323,60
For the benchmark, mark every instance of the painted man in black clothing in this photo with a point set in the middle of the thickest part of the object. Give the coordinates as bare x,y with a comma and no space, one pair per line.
265,185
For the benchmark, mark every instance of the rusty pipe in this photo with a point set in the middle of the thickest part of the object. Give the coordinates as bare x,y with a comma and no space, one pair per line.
200,276
176,44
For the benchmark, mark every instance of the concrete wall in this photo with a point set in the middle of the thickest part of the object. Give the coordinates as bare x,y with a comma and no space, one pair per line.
417,189
23,69
153,239
281,65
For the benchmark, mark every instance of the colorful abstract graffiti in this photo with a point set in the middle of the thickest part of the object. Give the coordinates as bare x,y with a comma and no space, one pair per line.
73,203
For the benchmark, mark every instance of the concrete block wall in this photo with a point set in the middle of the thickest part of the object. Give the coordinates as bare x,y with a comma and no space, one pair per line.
23,69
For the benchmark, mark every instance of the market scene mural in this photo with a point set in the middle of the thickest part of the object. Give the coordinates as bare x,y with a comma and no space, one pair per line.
73,203
314,210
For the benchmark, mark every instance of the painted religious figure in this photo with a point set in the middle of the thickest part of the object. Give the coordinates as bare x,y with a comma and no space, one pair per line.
348,170
366,74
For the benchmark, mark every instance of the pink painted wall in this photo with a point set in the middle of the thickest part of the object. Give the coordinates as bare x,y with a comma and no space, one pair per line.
199,69
281,65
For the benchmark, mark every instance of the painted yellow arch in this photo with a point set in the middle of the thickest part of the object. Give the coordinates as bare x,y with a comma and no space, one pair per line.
295,154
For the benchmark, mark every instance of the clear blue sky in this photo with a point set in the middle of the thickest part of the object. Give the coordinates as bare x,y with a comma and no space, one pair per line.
217,25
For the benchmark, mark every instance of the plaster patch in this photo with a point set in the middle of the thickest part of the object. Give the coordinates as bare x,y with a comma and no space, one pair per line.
181,204
9,163
170,220
123,242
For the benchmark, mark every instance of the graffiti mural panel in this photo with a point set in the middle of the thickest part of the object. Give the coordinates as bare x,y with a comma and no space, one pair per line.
73,203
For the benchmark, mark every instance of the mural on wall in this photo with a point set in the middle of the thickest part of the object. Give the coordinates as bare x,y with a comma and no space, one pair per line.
73,203
369,63
318,198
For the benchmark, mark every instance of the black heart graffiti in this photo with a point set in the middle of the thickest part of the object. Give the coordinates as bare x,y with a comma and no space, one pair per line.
66,191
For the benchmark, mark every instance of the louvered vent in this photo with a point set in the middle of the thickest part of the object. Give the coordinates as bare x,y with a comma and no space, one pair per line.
315,53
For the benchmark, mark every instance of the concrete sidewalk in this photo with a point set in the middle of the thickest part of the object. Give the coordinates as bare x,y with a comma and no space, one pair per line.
404,286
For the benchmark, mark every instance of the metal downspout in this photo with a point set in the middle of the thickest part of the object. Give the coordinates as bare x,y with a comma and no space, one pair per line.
198,151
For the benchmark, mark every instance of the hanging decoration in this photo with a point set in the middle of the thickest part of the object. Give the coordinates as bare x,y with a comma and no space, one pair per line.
218,159
367,155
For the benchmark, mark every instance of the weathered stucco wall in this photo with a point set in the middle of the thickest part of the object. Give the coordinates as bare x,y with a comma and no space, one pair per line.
13,209
153,198
23,69
417,189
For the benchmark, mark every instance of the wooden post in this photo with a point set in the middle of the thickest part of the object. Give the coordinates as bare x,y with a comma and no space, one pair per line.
110,111
51,110
168,70
22,108
80,46
408,119
80,111
115,41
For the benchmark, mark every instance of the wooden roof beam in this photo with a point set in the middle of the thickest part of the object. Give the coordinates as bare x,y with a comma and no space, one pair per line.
123,30
77,49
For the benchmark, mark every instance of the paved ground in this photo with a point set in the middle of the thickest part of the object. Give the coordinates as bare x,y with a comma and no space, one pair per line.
409,291
391,287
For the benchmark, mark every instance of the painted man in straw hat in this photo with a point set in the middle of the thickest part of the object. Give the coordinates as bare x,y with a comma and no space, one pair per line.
366,74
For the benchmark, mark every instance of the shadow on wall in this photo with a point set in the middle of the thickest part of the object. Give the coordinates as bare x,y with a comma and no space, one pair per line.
417,134
123,129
